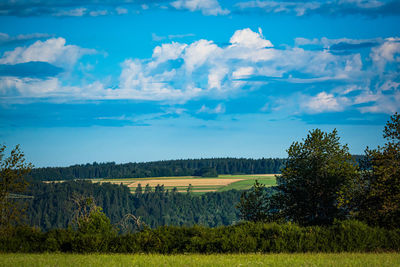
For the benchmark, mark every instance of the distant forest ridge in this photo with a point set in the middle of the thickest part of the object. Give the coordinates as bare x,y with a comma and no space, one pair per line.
210,167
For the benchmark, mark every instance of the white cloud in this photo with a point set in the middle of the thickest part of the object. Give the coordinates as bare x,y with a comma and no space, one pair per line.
327,43
199,52
335,7
300,41
96,13
5,38
216,76
387,52
219,109
34,88
249,39
362,3
385,98
121,10
53,51
157,38
325,102
300,8
207,7
136,83
243,72
76,12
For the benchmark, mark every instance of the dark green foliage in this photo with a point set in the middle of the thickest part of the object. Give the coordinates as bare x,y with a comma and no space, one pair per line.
190,167
254,203
13,170
207,172
53,205
315,171
342,236
374,196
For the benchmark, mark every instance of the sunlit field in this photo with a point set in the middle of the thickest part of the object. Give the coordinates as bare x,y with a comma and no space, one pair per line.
345,259
198,184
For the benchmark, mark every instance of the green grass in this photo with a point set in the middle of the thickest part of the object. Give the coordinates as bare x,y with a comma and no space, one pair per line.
247,184
345,259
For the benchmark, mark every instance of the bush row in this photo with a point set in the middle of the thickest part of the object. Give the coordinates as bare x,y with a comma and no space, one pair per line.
343,236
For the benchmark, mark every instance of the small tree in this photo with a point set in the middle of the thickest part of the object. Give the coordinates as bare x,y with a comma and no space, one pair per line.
12,182
316,170
89,218
253,205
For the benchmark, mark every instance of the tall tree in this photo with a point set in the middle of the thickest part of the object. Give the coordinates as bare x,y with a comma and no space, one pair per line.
375,196
316,170
12,183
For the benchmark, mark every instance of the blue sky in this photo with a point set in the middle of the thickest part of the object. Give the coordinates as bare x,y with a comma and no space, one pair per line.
124,81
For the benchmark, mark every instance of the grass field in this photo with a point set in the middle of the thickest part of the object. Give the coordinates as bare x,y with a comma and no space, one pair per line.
199,184
343,259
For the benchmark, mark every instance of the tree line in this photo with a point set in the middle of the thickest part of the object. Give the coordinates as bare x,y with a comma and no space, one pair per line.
185,167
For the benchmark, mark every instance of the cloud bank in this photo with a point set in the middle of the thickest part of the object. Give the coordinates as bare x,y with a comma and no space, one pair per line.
363,76
371,8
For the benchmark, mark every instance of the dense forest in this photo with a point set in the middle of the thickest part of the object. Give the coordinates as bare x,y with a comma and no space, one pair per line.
53,206
187,167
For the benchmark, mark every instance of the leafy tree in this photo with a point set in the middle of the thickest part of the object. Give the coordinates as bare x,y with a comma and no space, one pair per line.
90,218
316,170
12,183
253,205
375,195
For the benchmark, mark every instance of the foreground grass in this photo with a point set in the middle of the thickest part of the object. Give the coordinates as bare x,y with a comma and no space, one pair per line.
320,259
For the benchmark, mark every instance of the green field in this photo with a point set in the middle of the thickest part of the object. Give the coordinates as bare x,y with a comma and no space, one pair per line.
212,184
319,259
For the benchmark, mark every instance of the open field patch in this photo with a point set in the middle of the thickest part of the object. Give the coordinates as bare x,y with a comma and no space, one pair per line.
306,259
198,184
186,182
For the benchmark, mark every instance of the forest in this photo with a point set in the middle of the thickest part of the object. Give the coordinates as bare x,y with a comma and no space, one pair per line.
52,205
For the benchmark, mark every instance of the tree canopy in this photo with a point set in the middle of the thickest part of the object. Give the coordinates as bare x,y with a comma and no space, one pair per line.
315,171
375,195
12,183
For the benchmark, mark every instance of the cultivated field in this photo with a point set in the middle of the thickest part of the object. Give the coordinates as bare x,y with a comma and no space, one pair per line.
198,184
319,259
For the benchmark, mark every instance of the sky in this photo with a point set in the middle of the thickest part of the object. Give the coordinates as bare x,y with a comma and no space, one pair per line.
135,81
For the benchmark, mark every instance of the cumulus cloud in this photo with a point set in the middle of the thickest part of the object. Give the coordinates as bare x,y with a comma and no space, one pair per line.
178,72
248,38
385,98
325,102
387,52
54,51
207,7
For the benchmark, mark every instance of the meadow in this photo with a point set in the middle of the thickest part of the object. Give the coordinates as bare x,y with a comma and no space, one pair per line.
305,259
199,185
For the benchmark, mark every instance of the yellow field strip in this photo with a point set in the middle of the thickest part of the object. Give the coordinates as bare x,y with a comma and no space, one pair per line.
187,182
